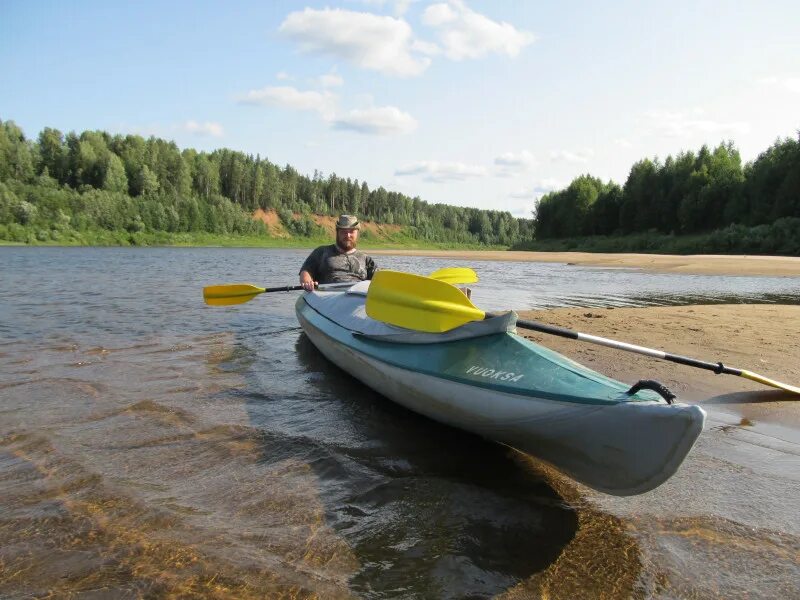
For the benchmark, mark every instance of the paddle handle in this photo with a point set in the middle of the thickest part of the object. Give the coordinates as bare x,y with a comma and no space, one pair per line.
321,286
717,368
283,288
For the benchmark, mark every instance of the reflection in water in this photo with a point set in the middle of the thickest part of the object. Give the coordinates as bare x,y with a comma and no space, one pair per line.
424,503
683,299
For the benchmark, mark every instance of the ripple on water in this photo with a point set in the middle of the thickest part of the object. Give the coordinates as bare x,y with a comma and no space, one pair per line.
152,446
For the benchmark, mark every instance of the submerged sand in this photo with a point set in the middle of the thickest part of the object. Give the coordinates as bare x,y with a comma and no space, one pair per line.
700,264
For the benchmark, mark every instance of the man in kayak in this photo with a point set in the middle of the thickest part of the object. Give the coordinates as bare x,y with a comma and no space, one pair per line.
339,262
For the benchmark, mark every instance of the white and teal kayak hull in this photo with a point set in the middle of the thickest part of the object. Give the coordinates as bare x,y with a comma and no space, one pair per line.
508,389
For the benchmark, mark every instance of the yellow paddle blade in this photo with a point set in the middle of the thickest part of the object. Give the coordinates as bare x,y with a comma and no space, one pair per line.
455,275
419,303
232,293
770,382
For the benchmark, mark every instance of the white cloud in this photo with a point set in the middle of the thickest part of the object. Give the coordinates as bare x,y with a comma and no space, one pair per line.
207,128
465,33
385,120
539,189
520,212
512,163
439,172
427,48
688,124
375,42
283,76
791,84
400,6
289,97
169,130
548,184
575,158
330,80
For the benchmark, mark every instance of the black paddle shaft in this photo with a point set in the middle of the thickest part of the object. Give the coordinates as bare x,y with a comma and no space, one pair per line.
324,286
284,288
551,329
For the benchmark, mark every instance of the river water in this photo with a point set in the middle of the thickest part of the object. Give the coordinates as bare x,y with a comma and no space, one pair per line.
152,446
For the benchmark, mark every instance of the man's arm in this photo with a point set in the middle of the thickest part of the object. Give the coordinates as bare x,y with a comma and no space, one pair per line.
308,272
371,267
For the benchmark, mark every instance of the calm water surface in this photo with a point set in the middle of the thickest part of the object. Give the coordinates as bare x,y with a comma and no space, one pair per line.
153,446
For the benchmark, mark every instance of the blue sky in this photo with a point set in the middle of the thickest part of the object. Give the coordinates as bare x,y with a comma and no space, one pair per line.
485,104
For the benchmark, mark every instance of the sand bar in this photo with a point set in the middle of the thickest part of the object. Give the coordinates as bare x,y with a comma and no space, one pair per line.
761,338
699,264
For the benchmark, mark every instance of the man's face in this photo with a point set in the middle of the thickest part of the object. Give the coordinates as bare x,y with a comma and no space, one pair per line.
346,239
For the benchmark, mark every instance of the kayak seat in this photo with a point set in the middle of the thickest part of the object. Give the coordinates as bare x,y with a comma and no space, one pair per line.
347,310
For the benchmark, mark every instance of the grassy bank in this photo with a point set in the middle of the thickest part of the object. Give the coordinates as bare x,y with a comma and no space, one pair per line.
103,237
780,238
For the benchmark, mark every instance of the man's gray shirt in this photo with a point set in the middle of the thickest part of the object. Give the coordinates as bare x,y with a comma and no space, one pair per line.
327,264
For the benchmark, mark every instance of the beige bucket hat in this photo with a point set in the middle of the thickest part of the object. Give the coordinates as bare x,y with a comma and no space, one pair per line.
348,222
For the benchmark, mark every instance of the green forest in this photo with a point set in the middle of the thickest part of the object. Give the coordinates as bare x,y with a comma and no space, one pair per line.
705,201
114,189
98,188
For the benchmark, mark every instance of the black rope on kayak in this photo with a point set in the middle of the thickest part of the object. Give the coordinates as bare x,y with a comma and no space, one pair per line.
650,384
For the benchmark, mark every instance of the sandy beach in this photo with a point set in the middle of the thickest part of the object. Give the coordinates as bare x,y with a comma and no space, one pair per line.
757,337
701,264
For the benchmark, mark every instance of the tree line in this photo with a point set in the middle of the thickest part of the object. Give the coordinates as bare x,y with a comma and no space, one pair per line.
691,193
69,187
96,180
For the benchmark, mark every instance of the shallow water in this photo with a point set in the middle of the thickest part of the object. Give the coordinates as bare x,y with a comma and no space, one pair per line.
153,446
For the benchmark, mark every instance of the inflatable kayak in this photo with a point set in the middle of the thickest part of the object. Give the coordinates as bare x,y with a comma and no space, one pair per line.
484,378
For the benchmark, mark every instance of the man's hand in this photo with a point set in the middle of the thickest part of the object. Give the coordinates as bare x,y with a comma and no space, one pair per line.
307,282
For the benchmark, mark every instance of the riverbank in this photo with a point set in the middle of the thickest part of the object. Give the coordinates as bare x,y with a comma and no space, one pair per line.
386,245
700,264
757,337
725,526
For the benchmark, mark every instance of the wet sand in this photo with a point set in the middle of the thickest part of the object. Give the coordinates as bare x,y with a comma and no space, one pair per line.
701,264
761,338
